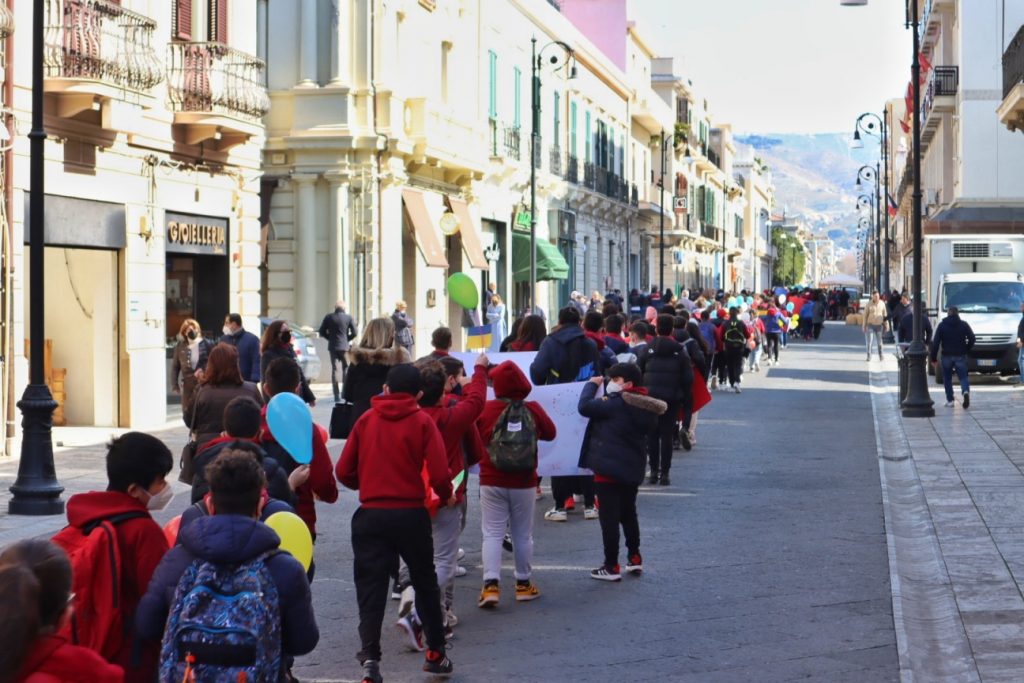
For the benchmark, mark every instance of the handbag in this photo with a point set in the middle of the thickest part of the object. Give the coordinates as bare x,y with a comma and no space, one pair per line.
341,420
188,452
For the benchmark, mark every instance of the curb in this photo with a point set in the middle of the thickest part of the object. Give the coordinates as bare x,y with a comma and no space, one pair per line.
930,636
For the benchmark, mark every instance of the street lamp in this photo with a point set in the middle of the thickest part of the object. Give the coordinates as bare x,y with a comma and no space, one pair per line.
917,403
877,126
36,491
865,225
867,174
535,66
665,142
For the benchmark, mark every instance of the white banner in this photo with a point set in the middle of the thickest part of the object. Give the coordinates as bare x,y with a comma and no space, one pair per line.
522,358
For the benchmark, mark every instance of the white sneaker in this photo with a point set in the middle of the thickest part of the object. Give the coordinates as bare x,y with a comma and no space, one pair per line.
555,515
950,404
459,555
590,513
460,571
736,389
408,599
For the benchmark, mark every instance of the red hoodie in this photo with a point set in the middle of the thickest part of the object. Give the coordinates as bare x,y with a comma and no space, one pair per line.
455,421
509,382
320,485
53,659
598,339
143,545
384,455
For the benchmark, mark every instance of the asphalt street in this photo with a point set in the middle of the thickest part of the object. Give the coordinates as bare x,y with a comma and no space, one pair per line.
765,560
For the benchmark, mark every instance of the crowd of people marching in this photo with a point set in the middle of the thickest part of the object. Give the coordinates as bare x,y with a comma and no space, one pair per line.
114,596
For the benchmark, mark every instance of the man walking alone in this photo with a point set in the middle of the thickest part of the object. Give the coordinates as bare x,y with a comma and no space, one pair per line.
338,329
956,338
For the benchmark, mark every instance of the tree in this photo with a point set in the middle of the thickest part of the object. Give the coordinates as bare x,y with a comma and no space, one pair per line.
790,259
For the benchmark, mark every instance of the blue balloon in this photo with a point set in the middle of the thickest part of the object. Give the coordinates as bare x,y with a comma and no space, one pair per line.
790,307
731,302
750,300
291,425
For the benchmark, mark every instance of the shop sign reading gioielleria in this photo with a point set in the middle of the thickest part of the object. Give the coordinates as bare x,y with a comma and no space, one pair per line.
191,234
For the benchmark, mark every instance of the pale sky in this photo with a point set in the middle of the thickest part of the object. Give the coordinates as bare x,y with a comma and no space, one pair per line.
784,66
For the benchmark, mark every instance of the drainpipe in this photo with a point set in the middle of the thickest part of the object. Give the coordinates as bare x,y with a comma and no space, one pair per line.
8,275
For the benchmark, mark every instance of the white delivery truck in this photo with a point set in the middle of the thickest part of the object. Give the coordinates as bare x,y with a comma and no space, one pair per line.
983,276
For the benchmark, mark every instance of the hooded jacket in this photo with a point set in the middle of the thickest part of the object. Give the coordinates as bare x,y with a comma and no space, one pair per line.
229,540
52,659
455,421
954,336
616,343
320,485
277,478
384,455
511,384
553,362
615,444
773,321
367,370
667,371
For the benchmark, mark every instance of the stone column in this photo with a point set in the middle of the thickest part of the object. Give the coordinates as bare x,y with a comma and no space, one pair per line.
341,43
305,248
307,37
339,237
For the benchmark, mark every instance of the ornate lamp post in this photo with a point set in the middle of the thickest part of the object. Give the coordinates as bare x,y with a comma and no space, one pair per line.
877,126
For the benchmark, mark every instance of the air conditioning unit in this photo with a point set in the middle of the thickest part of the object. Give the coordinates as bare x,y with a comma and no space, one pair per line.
982,251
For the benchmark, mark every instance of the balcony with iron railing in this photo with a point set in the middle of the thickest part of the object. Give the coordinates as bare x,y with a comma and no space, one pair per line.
1011,111
572,170
938,98
634,195
708,231
96,51
216,92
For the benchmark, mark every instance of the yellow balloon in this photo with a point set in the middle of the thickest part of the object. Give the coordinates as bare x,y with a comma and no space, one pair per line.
294,535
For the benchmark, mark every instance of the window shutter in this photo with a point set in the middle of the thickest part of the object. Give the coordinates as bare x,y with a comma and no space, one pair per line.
219,21
182,20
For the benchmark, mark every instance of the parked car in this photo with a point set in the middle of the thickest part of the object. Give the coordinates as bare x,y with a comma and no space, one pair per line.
305,350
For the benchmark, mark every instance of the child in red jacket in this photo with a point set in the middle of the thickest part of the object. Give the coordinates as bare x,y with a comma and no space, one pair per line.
137,469
454,420
35,602
284,375
507,499
384,459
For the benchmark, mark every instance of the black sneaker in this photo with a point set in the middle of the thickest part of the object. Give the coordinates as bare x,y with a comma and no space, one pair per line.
664,481
437,663
684,438
967,400
653,478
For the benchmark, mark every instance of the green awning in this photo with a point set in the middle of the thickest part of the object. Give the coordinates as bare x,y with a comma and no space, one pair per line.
551,264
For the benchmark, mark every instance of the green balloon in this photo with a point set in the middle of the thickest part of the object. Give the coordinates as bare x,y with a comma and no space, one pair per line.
462,290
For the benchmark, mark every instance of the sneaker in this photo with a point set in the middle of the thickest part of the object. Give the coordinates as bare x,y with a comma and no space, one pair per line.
606,573
687,441
506,542
408,599
371,672
967,400
869,357
437,663
635,564
736,389
526,591
413,630
590,513
556,515
459,555
714,383
570,504
490,595
460,571
950,404
450,618
664,481
653,479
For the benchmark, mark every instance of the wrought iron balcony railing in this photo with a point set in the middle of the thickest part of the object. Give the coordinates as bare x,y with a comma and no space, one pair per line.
215,78
634,195
1013,63
572,170
100,41
944,83
589,175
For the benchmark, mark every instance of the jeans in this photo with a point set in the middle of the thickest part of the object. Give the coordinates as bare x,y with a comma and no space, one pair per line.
379,538
772,345
949,364
512,509
659,442
873,332
1020,363
755,357
618,507
338,357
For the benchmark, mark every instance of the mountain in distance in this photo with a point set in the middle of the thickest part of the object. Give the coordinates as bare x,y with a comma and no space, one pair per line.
814,177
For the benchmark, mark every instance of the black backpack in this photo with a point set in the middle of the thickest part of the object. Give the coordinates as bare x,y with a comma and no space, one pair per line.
735,334
513,445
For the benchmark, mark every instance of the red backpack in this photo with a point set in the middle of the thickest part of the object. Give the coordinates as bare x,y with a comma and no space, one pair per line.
97,621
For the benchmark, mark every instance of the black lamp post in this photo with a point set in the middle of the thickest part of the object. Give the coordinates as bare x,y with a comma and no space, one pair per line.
36,491
535,66
917,403
868,174
877,126
665,142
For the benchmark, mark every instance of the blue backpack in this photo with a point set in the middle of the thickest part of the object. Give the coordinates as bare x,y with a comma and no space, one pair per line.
225,625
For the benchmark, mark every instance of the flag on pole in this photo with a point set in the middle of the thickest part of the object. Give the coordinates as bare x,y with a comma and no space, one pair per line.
479,338
892,207
905,126
926,65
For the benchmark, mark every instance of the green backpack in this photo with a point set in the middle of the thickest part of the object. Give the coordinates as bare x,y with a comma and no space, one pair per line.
513,445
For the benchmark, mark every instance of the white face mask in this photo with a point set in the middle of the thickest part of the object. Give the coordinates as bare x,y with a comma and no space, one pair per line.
226,330
613,388
160,500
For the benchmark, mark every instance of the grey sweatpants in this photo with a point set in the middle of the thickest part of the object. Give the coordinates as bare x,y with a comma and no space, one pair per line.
512,509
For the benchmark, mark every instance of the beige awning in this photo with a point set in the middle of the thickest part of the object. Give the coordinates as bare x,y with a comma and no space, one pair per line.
424,230
470,234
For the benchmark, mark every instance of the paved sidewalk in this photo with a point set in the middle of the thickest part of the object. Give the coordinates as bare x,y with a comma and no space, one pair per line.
964,545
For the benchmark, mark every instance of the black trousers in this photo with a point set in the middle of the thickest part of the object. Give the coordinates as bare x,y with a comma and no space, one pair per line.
338,357
659,442
563,487
719,365
772,344
734,362
379,538
816,329
618,507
